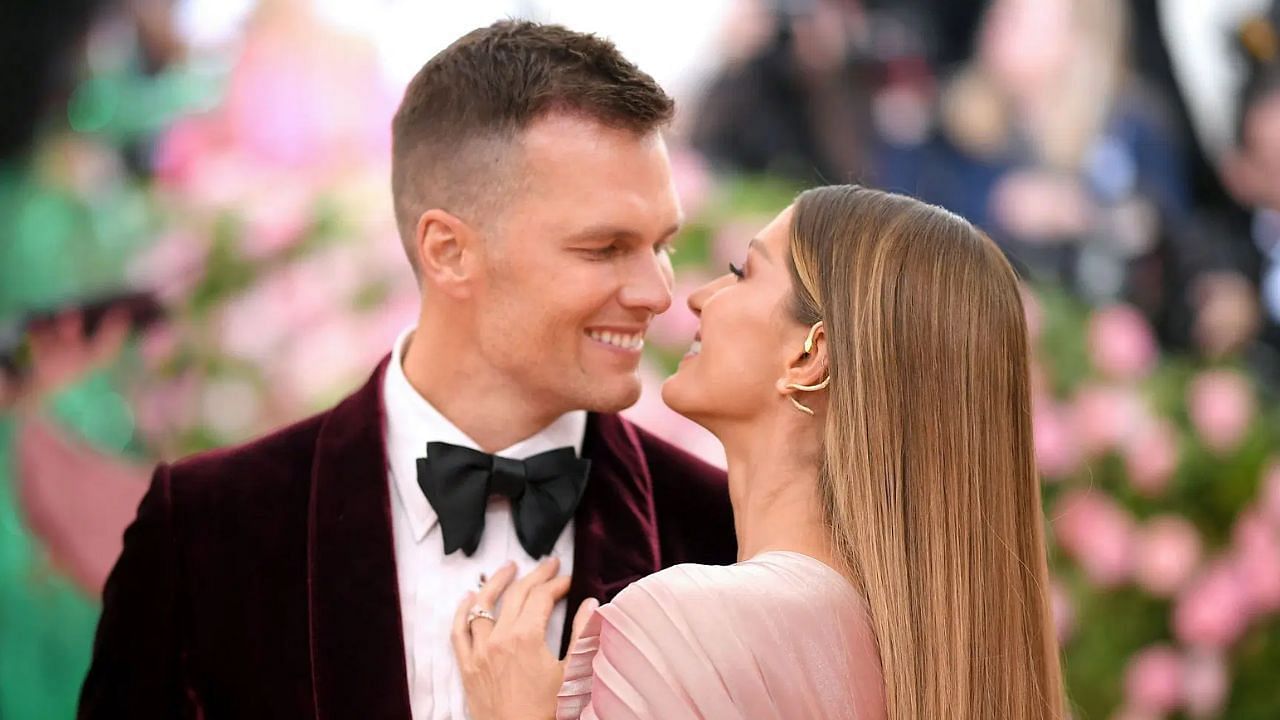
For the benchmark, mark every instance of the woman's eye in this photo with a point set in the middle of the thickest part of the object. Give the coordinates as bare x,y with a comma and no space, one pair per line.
733,268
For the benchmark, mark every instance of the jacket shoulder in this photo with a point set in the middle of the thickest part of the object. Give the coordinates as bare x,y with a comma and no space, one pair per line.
663,456
280,456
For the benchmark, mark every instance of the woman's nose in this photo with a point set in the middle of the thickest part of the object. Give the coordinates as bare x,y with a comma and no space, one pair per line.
699,297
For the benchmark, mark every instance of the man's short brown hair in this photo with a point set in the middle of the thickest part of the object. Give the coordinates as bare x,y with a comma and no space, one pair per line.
456,130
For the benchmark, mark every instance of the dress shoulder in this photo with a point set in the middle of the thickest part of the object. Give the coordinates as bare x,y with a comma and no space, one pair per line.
778,636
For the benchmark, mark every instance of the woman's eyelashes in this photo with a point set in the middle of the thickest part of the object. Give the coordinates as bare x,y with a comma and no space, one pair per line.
736,270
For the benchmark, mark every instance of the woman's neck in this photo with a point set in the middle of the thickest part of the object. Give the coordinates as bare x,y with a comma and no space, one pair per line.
773,485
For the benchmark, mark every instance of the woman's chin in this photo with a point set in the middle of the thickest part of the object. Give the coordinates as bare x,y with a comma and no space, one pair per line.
682,396
675,393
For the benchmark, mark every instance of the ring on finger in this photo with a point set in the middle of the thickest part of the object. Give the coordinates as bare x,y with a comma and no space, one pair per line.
477,612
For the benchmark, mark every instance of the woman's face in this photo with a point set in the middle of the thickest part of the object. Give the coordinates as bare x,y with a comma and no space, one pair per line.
747,336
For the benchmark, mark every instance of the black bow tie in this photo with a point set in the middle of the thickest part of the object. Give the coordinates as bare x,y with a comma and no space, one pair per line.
544,492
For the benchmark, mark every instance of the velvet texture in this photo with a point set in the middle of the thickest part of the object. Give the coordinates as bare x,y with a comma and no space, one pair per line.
260,581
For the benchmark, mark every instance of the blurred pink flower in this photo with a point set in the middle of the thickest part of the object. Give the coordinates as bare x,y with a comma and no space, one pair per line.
1104,416
1057,451
302,93
1121,344
1212,611
302,96
692,178
320,362
385,323
182,149
675,328
276,220
1169,549
1151,456
1153,680
163,410
1221,406
1098,534
1256,554
729,243
1205,683
653,415
252,325
289,301
158,345
231,408
172,265
332,274
1064,611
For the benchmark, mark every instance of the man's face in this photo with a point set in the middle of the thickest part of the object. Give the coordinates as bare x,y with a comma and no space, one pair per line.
577,266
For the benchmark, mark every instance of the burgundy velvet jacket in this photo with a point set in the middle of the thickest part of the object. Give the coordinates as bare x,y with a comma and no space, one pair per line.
260,581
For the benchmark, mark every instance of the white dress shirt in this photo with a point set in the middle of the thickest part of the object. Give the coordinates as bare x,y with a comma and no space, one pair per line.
432,583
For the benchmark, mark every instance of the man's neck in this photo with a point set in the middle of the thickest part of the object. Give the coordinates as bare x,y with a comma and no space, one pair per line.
490,410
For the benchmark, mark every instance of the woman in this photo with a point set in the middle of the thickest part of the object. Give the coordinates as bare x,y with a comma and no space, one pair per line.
866,370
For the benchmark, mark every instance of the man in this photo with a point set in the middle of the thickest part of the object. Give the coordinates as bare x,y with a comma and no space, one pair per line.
315,572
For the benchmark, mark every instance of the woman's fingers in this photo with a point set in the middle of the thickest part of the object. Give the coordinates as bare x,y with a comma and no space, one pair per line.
514,599
487,598
542,599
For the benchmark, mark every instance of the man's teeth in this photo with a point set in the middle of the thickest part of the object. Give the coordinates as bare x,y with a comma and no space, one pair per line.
619,340
696,347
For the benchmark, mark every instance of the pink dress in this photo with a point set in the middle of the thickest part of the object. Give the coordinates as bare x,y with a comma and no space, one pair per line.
779,636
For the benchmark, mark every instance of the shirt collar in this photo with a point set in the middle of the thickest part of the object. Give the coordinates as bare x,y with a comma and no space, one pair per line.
412,422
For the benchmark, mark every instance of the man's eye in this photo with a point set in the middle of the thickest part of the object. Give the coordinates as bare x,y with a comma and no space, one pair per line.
605,252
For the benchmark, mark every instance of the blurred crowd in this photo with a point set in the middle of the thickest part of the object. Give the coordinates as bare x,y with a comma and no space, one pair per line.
1075,132
197,245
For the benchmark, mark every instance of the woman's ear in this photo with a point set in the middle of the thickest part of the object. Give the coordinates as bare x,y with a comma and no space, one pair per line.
807,368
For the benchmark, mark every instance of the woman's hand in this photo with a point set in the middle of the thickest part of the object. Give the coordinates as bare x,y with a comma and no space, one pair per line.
508,672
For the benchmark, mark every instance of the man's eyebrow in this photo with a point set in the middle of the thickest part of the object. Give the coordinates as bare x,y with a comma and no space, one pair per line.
592,232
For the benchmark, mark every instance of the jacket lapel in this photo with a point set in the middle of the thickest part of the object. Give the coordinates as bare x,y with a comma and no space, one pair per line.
357,644
615,530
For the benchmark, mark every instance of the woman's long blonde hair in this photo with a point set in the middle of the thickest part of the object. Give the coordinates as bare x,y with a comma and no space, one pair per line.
928,479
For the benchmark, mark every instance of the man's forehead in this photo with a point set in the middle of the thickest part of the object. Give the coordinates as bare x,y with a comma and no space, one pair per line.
557,132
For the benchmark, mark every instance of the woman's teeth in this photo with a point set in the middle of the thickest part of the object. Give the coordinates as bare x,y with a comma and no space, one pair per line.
695,348
618,340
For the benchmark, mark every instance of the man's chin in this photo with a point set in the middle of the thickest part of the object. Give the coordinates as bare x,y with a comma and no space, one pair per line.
614,395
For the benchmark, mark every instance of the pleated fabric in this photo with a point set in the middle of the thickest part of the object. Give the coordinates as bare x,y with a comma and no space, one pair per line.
777,637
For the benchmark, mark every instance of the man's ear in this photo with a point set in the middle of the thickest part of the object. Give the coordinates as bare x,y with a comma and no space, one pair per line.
806,368
448,252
